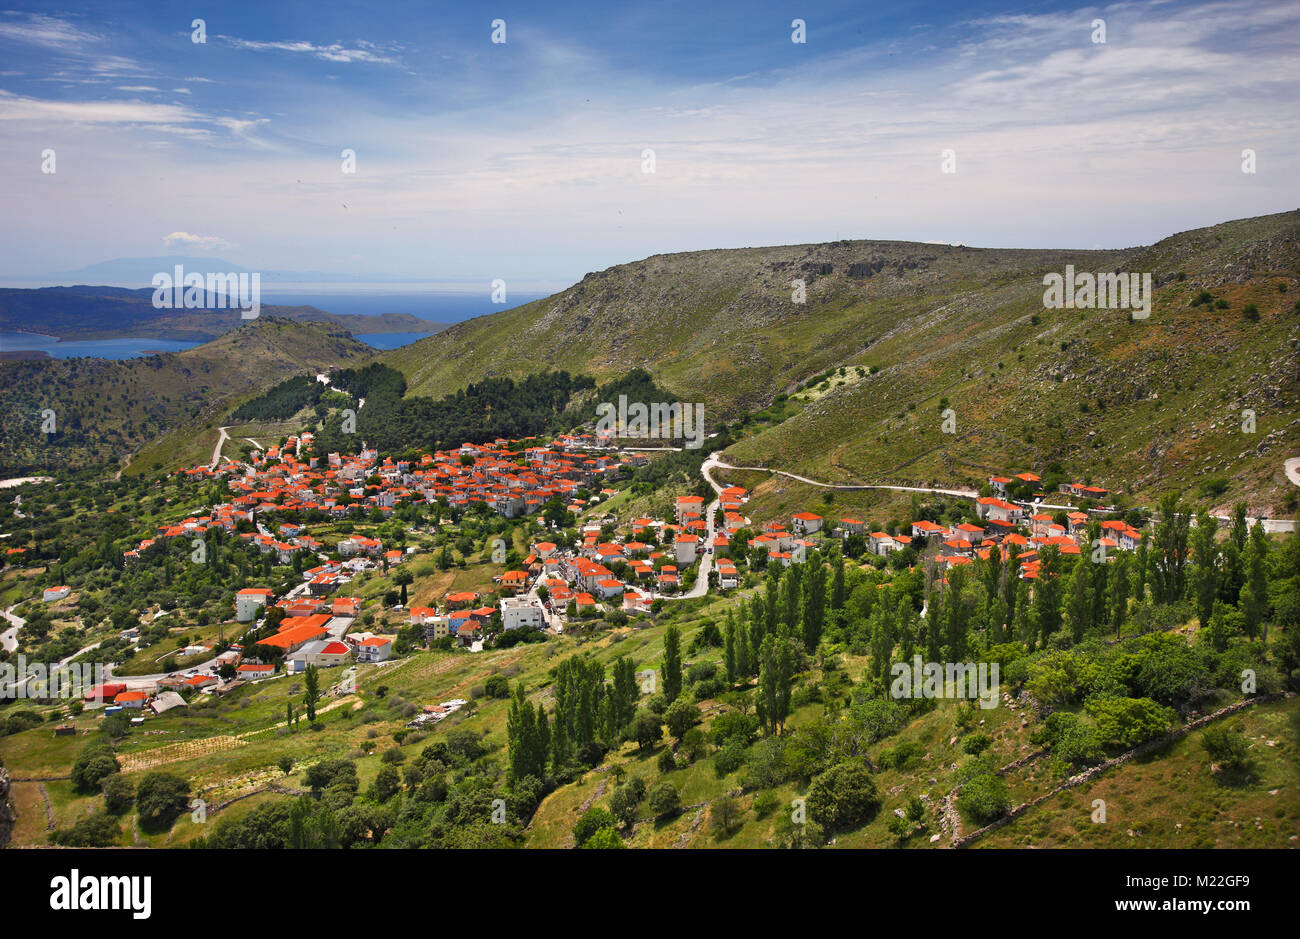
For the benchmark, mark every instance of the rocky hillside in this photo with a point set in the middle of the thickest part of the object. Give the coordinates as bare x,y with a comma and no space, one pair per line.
105,409
1139,403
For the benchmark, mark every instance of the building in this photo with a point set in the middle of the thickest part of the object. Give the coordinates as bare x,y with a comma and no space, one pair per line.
51,594
249,601
522,613
375,649
323,653
805,523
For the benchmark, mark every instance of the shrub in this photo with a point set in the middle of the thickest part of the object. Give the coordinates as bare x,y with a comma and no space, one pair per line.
1226,746
984,798
976,743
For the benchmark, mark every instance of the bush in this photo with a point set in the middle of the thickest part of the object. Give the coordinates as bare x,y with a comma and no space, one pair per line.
984,798
595,819
95,831
1227,747
666,762
976,743
603,839
843,797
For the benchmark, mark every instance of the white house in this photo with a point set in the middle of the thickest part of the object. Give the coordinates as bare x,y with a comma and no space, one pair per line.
55,593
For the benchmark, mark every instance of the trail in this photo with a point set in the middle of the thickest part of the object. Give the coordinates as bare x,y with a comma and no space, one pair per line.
713,461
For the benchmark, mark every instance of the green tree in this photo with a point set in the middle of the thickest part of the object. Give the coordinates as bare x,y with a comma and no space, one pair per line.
312,682
160,799
777,659
843,797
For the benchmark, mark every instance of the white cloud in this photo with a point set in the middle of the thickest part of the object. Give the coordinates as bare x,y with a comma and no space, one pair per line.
184,241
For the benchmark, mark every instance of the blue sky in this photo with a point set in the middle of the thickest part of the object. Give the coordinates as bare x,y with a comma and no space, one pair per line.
523,160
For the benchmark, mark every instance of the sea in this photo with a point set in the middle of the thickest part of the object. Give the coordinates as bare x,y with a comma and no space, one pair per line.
442,307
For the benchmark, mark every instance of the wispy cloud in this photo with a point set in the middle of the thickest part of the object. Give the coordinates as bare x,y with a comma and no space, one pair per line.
360,51
40,29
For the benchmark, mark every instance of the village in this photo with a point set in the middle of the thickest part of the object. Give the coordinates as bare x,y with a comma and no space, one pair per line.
611,568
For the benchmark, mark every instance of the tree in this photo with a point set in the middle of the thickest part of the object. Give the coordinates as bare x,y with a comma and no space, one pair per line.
119,793
1117,592
1169,551
680,717
285,763
93,764
671,672
646,730
843,797
387,784
663,799
775,678
160,798
1080,601
1254,593
724,813
312,681
1206,576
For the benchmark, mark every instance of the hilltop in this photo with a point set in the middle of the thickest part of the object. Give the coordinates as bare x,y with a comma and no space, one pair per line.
105,409
1143,405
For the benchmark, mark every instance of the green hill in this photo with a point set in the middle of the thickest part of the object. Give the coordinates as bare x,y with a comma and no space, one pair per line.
1137,406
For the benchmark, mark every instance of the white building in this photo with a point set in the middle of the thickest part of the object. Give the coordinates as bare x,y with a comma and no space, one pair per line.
521,612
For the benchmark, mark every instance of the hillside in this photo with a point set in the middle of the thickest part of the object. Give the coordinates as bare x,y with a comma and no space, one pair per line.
105,408
1135,405
116,312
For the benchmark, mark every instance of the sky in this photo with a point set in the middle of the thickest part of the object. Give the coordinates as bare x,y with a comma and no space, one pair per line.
526,160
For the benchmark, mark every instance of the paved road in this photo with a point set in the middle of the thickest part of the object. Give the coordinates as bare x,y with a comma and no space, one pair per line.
1292,469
